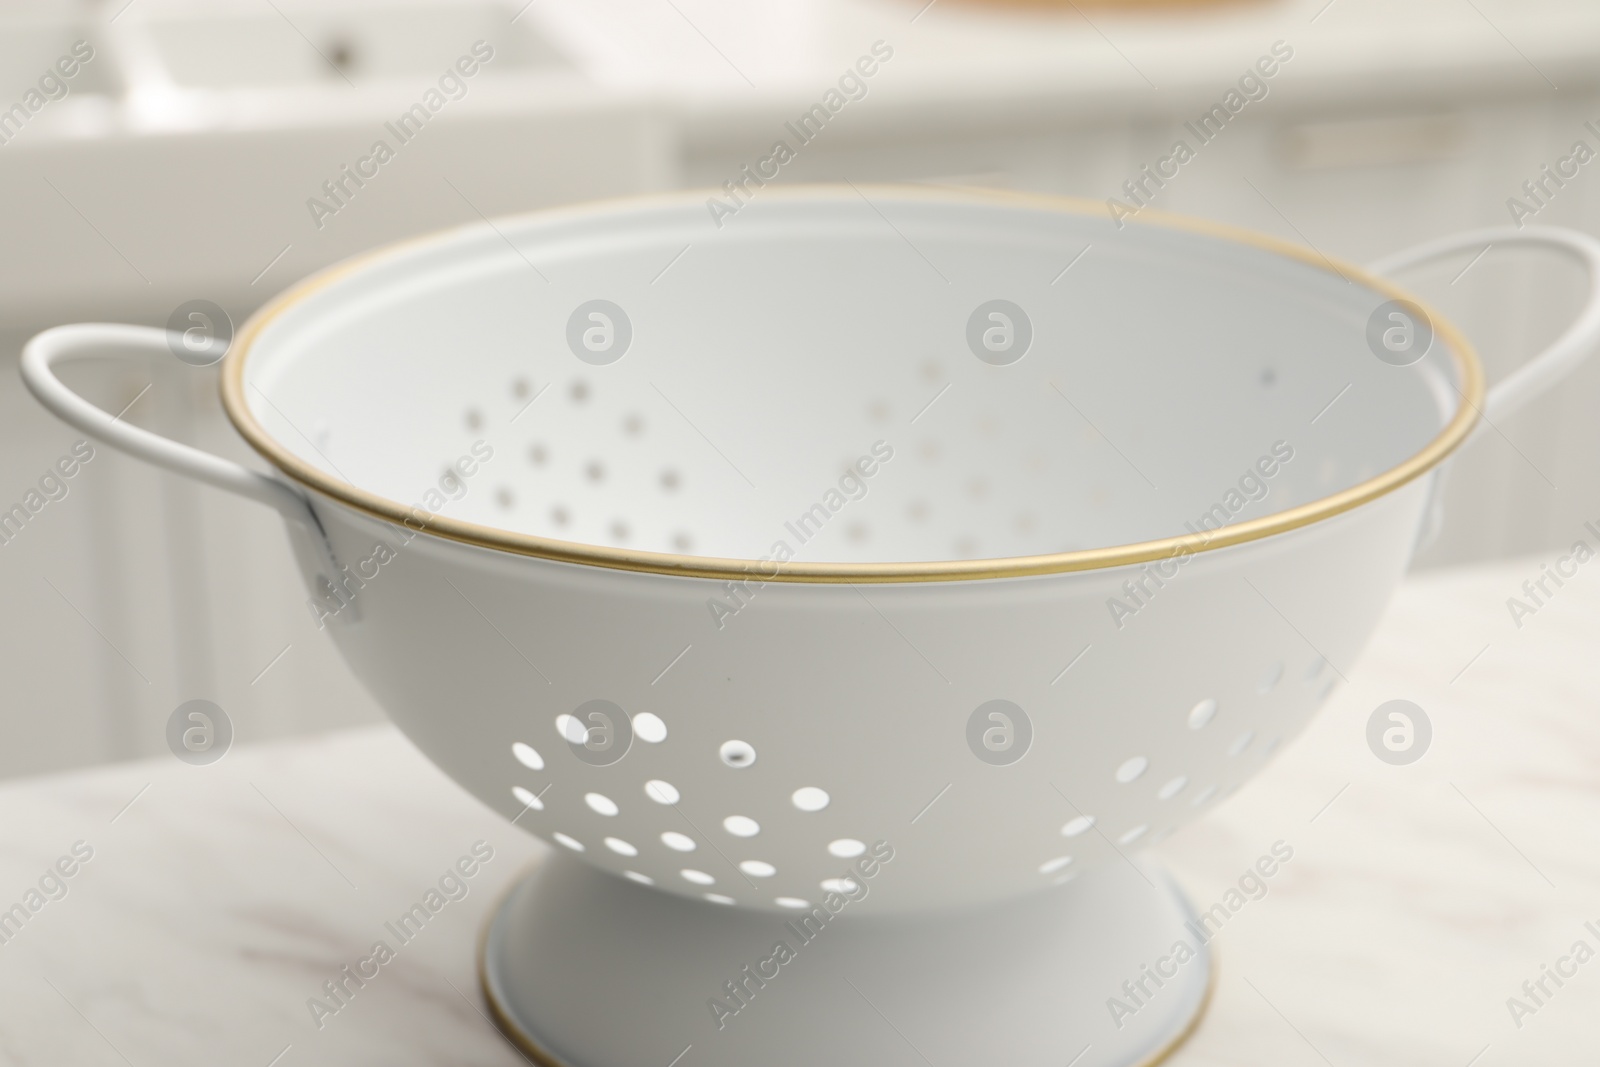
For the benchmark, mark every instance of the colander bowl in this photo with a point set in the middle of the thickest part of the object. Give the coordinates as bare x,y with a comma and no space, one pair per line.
884,555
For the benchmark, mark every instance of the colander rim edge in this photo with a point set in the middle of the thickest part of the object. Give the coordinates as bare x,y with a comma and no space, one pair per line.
1451,436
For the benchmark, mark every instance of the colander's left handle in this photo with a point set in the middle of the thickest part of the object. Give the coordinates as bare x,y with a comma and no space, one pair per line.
99,340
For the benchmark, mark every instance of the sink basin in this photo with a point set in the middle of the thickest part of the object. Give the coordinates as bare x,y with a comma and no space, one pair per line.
258,47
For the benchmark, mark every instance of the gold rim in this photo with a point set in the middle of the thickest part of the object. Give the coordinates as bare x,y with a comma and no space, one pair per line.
499,1014
1446,441
525,1043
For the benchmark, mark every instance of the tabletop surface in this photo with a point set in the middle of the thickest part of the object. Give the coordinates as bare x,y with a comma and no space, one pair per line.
215,900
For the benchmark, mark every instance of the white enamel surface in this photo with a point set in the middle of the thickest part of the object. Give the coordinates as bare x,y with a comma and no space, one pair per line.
1026,986
808,334
1165,368
866,695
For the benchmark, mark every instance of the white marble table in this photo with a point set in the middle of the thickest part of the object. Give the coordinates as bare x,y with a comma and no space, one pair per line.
219,898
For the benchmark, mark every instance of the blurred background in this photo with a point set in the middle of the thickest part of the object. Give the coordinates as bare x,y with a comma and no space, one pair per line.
178,160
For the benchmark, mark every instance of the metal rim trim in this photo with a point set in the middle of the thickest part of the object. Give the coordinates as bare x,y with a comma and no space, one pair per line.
1449,438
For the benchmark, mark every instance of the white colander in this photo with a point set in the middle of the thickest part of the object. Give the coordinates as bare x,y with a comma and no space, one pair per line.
970,540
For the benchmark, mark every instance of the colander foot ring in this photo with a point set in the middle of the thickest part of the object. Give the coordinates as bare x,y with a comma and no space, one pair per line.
584,969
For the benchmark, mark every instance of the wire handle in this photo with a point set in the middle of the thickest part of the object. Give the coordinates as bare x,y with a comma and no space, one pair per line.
99,339
1569,350
1538,374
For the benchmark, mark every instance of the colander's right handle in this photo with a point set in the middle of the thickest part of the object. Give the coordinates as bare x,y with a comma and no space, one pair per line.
1540,373
1568,351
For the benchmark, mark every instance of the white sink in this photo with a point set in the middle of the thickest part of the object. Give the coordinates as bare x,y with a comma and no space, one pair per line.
329,44
190,152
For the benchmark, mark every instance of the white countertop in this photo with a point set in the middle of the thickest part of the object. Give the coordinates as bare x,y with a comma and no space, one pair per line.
1419,898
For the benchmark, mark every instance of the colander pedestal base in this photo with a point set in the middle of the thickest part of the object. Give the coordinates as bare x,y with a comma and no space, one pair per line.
583,969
